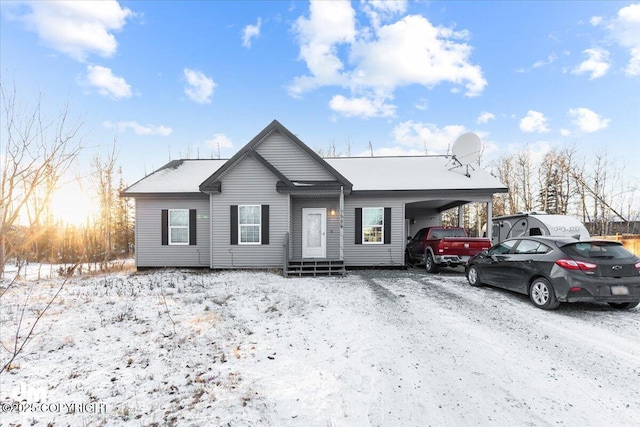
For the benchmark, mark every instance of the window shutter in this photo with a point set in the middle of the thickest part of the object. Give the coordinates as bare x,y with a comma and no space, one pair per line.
165,226
234,224
387,226
265,224
192,227
358,236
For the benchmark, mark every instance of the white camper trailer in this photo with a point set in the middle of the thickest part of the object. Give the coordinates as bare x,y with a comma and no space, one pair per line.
536,224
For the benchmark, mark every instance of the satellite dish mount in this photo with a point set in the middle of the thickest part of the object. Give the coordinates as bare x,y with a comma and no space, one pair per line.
465,150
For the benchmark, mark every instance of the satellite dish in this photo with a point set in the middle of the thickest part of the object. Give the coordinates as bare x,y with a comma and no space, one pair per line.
465,150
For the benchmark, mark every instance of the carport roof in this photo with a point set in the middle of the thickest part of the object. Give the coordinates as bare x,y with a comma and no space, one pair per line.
413,174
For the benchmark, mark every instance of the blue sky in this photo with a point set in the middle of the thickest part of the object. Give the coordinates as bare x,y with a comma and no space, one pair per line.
185,79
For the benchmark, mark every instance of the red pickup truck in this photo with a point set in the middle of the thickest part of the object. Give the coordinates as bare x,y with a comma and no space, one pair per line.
443,246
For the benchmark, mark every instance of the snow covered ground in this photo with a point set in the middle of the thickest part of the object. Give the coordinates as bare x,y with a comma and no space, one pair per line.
375,348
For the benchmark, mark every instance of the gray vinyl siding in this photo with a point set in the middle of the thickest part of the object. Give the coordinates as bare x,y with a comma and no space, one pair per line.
333,225
291,160
374,254
149,249
248,183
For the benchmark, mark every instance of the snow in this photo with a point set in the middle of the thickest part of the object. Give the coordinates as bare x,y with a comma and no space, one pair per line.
426,172
180,176
375,348
412,173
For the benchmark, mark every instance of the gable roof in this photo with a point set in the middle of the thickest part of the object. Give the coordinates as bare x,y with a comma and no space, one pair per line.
419,173
366,174
212,182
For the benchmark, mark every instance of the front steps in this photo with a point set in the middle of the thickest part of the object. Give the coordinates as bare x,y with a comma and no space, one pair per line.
319,267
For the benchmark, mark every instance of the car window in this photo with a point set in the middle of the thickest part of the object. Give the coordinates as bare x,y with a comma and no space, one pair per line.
502,248
455,232
607,250
531,247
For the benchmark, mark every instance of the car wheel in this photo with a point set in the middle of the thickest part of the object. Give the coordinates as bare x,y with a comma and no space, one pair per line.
542,295
473,276
429,263
624,305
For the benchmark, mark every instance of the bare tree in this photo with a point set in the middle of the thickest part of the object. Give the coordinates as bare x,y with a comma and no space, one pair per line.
103,174
36,153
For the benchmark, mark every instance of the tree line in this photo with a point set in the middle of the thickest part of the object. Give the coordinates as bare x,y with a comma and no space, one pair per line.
37,153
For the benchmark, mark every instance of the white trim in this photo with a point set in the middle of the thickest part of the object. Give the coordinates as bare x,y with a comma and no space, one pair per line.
171,227
321,252
381,242
259,225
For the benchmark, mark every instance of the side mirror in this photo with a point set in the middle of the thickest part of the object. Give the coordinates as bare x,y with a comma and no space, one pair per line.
409,238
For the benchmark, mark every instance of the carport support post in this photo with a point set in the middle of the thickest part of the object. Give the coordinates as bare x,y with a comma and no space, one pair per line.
489,225
461,216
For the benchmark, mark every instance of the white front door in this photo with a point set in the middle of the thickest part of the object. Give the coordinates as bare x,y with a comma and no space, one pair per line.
314,233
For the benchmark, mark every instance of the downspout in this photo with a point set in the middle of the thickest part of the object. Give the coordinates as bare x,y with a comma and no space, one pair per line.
341,223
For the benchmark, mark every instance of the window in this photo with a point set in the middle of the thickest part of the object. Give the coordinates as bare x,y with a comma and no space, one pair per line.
249,224
502,248
606,250
179,226
531,247
372,225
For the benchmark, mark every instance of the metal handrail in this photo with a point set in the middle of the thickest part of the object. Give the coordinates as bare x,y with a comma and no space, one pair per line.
285,255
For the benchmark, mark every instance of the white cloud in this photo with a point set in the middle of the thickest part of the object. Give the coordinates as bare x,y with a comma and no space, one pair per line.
595,20
250,32
383,58
539,64
422,104
383,10
625,29
139,129
107,83
330,23
485,117
427,136
219,140
200,87
565,132
587,120
597,64
534,121
77,28
361,107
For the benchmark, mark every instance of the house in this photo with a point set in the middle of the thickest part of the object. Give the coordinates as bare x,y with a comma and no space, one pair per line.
278,204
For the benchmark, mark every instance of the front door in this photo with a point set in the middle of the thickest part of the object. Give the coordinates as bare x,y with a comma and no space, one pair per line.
314,233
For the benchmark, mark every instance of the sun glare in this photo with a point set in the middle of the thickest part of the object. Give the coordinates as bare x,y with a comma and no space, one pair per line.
71,205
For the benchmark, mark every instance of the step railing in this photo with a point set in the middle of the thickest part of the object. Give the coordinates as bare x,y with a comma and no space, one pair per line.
285,255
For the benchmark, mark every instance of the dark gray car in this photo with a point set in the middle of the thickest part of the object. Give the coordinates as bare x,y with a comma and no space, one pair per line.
552,270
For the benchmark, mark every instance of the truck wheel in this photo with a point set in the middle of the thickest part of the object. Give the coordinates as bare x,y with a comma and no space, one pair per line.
408,262
429,263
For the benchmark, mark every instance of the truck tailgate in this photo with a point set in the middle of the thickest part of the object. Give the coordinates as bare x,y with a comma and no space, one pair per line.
464,246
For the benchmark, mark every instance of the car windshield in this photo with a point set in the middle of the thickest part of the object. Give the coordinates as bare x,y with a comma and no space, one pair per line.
606,250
